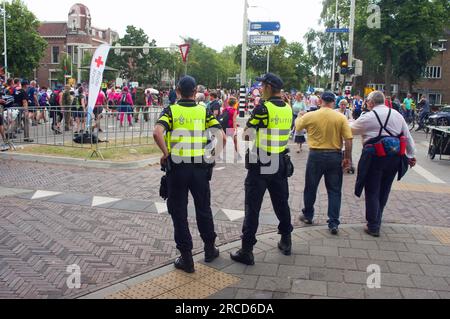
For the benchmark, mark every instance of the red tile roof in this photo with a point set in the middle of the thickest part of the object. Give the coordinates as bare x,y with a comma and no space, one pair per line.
53,29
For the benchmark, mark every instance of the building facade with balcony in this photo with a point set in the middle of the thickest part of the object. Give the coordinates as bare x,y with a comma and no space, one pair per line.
64,38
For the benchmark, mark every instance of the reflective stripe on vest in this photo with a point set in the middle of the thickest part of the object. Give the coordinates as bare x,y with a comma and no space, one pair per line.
187,138
275,138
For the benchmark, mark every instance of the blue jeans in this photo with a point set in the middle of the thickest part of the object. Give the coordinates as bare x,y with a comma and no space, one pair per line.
328,165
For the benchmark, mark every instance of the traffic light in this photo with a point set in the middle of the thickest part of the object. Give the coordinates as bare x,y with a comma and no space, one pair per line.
344,63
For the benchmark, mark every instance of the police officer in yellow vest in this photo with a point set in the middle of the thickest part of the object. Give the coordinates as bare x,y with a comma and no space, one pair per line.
269,169
180,133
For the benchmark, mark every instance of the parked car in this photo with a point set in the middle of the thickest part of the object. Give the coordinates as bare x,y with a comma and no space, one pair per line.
441,118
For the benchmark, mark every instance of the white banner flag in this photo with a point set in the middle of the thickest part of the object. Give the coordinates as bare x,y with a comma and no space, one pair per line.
98,65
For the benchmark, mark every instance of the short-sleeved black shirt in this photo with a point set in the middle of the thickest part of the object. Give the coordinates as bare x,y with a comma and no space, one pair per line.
19,97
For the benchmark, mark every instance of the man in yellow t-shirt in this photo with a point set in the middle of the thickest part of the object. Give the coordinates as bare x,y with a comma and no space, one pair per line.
327,131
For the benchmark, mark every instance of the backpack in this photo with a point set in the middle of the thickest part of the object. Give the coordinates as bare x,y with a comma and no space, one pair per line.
224,119
77,102
54,97
123,101
43,99
86,138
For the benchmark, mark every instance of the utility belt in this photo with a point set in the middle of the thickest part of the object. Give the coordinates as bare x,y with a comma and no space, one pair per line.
388,147
171,165
253,161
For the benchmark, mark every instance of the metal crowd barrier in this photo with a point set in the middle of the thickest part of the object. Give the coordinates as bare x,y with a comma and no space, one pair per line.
66,126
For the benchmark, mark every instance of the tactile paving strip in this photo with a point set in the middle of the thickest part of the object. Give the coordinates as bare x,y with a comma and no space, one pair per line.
443,235
172,280
203,283
144,291
194,290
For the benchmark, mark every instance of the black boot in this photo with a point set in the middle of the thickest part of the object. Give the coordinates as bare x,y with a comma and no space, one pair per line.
185,262
285,245
211,252
244,256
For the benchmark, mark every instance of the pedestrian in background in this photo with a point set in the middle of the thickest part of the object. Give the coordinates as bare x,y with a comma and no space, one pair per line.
343,109
126,107
357,106
297,108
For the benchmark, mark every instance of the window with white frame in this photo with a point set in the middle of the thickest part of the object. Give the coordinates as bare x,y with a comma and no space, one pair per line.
439,45
433,72
435,98
381,87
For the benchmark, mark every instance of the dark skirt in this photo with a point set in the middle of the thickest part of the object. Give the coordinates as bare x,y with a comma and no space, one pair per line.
300,139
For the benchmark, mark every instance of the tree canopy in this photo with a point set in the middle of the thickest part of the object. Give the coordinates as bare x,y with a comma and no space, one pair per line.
25,46
400,47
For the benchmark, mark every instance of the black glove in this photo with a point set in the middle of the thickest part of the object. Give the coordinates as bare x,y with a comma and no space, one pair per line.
289,166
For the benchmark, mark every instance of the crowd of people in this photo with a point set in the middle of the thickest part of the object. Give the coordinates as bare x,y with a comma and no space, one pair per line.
25,104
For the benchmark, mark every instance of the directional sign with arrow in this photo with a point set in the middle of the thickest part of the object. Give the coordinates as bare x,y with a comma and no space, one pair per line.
265,26
264,40
337,30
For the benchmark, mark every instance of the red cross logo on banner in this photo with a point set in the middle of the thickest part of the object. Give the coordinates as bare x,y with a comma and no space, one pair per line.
99,62
184,49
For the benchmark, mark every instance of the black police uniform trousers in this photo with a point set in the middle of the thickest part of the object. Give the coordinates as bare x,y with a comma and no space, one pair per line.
382,172
256,185
180,180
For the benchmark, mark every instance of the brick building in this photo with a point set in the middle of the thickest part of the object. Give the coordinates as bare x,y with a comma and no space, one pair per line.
435,83
64,38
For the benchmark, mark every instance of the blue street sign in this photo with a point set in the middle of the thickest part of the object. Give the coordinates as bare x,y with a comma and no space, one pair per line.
336,30
265,26
264,40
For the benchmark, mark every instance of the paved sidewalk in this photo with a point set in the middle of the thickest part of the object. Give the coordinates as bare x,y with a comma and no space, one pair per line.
414,262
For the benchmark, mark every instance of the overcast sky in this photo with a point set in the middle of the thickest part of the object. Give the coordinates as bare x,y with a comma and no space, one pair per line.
216,23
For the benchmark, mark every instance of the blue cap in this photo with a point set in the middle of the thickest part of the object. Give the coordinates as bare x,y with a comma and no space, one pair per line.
187,84
329,97
273,80
25,82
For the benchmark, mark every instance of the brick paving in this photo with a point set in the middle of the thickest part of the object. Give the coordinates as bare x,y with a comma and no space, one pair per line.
409,204
38,240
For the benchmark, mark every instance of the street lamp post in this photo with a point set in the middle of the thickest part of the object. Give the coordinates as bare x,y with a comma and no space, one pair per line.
243,90
352,36
5,53
333,75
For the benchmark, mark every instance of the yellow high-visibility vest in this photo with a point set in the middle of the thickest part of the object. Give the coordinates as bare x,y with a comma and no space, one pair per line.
187,138
275,138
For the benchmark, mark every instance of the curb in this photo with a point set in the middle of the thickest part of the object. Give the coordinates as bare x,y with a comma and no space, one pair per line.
84,163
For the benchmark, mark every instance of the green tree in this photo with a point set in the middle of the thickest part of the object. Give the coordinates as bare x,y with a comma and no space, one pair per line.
65,67
288,60
401,46
26,47
134,65
407,28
